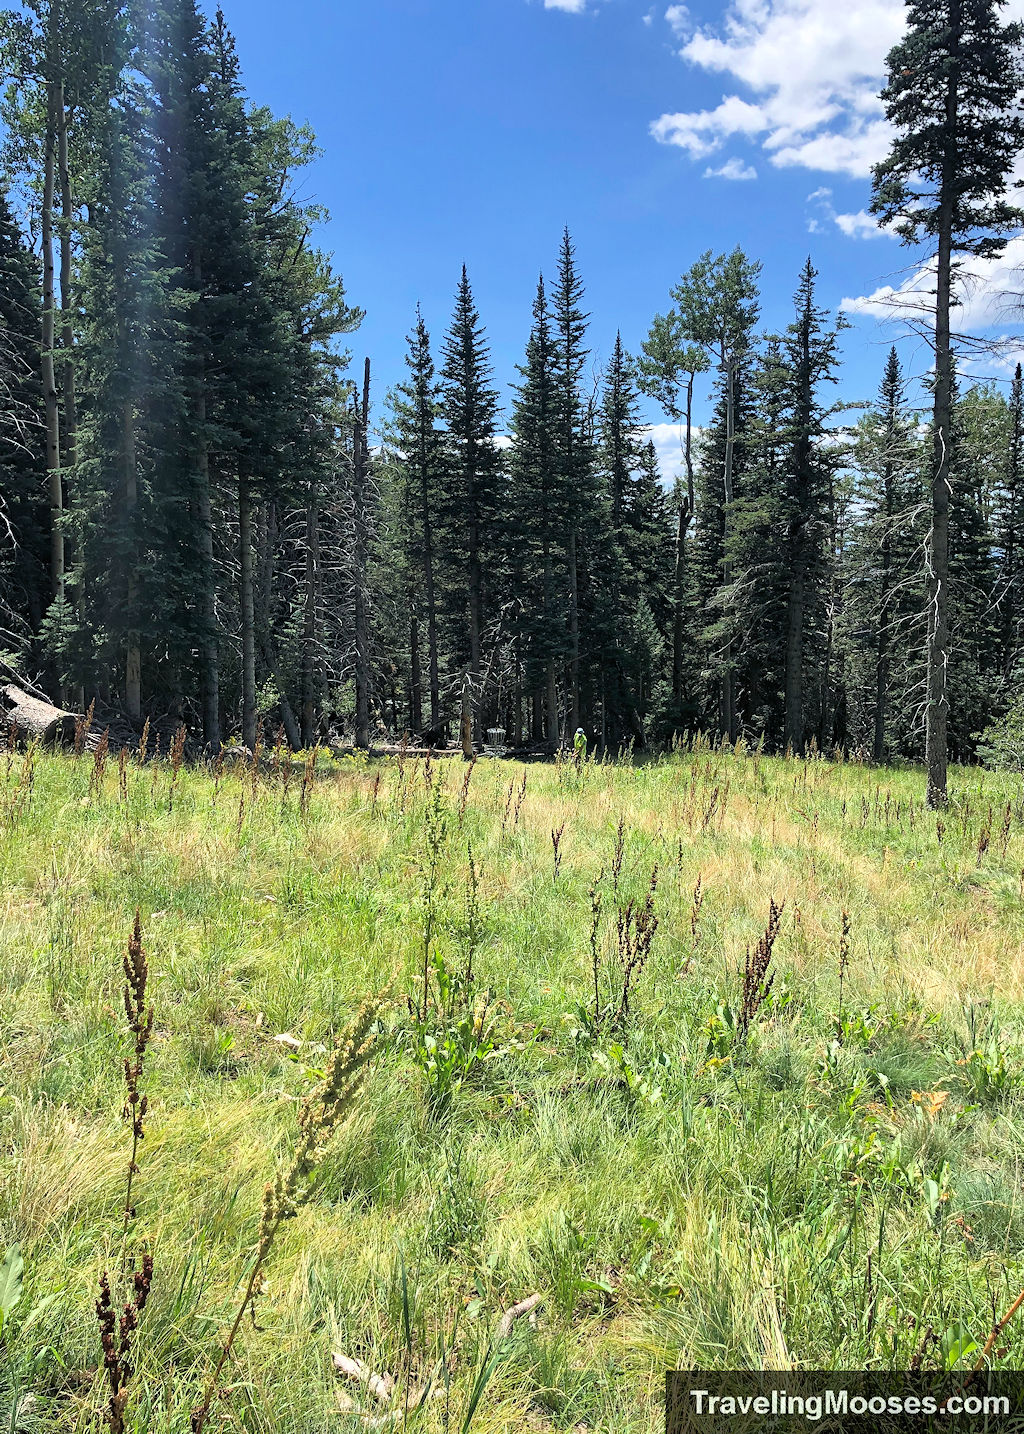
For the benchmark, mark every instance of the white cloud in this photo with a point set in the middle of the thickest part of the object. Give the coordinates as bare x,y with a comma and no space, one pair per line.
678,17
853,152
732,169
814,68
701,134
990,291
668,439
996,360
861,225
573,7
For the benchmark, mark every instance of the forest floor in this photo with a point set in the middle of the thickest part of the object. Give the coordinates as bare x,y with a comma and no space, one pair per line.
816,1176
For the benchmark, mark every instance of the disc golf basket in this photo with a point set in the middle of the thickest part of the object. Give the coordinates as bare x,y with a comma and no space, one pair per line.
495,744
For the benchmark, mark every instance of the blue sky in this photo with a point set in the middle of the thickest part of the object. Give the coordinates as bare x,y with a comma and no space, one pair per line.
474,130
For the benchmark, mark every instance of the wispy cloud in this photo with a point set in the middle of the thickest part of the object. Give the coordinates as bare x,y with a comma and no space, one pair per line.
731,169
861,225
990,293
573,7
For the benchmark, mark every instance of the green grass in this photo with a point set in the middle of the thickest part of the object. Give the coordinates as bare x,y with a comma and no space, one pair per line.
677,1195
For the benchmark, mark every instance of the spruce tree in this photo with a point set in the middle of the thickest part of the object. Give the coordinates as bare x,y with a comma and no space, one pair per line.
809,347
540,521
199,216
884,572
637,563
1008,520
24,584
575,456
755,601
65,59
952,98
981,433
470,408
129,520
713,590
418,438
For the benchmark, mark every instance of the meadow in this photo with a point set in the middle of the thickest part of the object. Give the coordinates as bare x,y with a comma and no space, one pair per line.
718,1056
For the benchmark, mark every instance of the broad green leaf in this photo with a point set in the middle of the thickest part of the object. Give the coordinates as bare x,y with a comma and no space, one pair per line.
12,1278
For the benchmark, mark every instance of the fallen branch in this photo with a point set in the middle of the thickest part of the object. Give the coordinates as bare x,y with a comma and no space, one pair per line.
13,675
997,1330
381,1386
524,1307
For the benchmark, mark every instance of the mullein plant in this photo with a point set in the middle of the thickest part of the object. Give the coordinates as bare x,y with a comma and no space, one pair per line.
119,1331
320,1114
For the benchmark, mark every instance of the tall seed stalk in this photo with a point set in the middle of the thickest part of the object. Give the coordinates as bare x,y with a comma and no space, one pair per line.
320,1114
118,1333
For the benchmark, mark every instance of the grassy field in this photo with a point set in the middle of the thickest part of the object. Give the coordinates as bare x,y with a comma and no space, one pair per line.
821,1168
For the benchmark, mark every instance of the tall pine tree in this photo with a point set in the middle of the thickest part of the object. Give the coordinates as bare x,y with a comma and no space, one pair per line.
952,98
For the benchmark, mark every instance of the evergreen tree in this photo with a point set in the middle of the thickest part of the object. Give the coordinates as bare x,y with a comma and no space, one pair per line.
418,438
754,603
24,581
276,309
66,60
884,569
470,408
199,216
981,440
575,457
539,518
713,591
810,355
637,562
1007,520
952,98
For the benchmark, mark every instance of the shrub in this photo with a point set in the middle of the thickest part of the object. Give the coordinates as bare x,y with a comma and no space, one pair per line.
1001,744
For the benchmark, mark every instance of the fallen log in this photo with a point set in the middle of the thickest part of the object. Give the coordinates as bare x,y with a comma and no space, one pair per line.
34,717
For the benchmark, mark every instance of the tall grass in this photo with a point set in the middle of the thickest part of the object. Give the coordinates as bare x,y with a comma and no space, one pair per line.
822,1182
